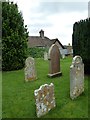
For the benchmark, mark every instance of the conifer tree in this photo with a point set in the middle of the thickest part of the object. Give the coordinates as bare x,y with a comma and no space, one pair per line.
14,37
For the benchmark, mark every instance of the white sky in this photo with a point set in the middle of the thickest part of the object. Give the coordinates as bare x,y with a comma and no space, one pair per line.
55,17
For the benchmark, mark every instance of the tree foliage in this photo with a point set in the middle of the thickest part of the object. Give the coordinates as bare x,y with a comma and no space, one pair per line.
14,37
81,41
37,52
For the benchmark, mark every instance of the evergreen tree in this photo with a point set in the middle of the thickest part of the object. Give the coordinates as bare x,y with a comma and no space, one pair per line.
14,37
81,41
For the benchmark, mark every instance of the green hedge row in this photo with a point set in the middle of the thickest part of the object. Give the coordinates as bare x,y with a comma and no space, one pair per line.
36,52
81,41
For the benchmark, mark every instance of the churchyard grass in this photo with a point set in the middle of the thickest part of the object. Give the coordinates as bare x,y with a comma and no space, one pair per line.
18,95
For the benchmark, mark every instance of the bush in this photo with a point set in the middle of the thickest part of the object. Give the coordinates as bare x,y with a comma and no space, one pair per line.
36,52
81,42
14,37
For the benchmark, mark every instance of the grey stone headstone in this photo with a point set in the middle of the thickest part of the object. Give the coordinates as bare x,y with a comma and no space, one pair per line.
45,56
30,71
76,77
45,99
63,56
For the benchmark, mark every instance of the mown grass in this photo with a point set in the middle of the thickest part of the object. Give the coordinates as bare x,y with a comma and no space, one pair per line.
18,96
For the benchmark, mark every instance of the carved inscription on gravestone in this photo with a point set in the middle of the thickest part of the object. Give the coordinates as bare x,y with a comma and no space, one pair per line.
45,99
54,61
30,72
76,77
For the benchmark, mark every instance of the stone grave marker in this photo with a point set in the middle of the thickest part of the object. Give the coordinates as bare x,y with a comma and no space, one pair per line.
63,56
54,61
76,77
45,99
30,71
45,56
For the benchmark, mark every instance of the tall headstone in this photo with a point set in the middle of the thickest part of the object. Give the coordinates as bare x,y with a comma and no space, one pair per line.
45,99
54,61
45,56
30,71
76,77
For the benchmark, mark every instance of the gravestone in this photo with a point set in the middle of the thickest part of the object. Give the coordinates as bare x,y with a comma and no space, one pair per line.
76,77
30,72
54,61
45,99
63,56
45,56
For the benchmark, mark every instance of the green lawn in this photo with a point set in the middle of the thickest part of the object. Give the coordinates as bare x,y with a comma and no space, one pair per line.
18,96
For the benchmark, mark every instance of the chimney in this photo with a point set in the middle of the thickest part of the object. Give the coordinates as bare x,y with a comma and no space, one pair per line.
42,34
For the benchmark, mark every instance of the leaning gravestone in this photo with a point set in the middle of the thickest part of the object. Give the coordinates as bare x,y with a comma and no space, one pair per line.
45,99
54,61
30,72
76,77
45,56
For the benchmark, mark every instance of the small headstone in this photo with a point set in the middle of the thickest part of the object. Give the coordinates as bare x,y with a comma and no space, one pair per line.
45,56
63,56
54,61
76,77
45,99
30,72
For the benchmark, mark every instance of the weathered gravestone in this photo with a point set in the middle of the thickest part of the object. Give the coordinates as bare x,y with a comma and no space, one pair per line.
63,56
45,56
76,77
45,99
30,72
54,61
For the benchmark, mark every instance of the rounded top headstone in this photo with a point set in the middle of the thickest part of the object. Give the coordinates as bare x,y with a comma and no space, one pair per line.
77,59
29,60
54,48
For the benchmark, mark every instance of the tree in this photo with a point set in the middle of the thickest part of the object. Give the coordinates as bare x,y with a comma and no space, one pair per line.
81,41
14,37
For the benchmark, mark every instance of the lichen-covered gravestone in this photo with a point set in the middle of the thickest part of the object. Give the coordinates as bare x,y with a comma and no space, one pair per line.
76,77
45,99
54,61
30,71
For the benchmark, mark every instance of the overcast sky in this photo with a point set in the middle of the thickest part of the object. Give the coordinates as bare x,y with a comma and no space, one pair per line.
55,17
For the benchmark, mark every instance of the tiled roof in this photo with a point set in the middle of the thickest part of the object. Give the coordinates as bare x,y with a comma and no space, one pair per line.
42,41
58,42
36,41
